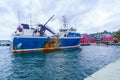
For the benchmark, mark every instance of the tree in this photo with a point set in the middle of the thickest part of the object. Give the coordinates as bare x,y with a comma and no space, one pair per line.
105,32
117,34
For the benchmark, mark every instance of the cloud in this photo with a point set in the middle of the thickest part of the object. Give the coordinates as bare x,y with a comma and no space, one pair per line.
88,16
104,16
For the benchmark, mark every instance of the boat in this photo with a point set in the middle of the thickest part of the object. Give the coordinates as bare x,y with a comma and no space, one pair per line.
29,39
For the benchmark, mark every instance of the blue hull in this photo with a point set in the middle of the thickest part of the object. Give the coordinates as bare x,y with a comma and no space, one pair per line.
25,44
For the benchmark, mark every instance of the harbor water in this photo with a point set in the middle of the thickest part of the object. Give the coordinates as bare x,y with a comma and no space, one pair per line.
71,64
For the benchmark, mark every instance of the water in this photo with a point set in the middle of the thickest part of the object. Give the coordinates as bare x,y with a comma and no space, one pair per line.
73,64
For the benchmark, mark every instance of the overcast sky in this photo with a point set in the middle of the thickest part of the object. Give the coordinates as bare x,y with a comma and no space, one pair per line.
88,16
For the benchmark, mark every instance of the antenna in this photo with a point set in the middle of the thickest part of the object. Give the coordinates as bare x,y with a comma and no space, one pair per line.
18,17
30,19
64,21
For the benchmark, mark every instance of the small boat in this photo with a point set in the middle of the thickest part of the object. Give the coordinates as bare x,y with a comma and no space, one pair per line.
28,39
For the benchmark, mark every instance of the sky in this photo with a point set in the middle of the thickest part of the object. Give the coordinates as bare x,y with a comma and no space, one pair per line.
88,16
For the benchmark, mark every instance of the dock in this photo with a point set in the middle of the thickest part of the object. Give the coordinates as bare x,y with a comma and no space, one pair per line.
109,72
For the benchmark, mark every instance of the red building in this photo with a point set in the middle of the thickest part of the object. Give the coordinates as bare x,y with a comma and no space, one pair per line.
92,41
84,40
87,39
108,39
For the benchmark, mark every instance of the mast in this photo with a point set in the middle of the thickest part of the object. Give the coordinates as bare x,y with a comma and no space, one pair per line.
30,19
64,22
18,17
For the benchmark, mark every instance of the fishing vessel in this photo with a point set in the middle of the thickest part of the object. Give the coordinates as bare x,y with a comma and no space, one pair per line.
28,39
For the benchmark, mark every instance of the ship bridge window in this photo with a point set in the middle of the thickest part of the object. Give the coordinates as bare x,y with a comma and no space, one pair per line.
63,30
72,29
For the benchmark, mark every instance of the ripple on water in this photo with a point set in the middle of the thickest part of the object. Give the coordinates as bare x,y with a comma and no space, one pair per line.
72,64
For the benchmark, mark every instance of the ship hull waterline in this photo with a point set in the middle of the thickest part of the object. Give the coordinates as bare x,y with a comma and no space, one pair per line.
33,44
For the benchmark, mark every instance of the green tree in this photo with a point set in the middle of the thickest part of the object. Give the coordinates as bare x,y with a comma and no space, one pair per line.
117,34
105,32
